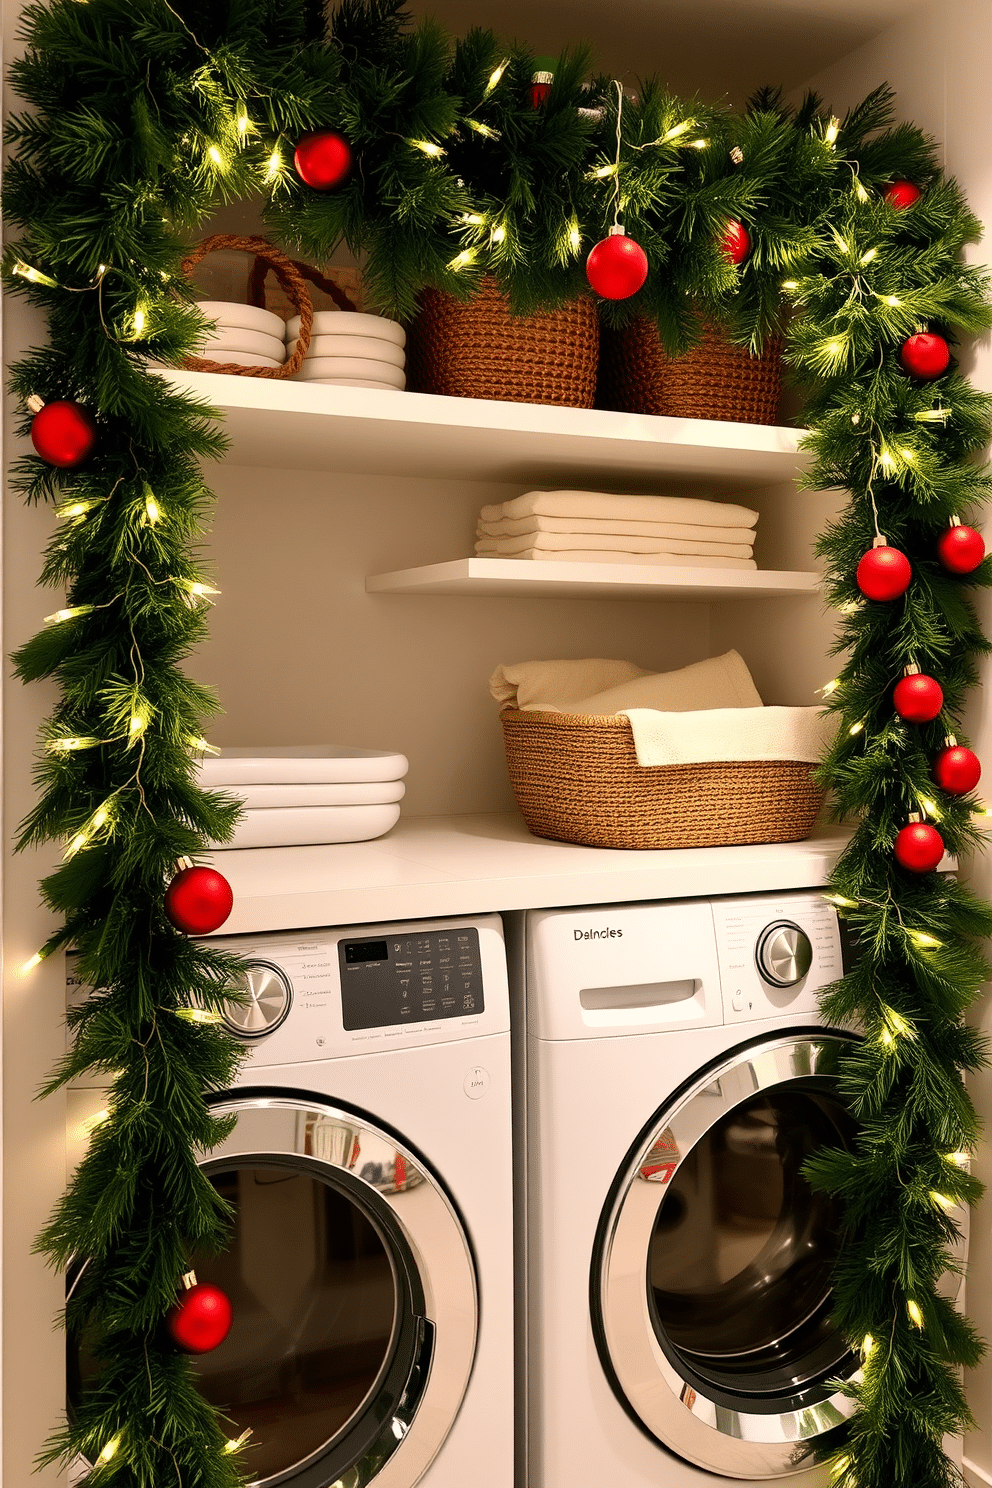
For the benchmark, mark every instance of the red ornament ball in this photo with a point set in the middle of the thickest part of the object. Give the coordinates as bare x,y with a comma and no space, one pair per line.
323,159
925,355
902,194
918,847
884,573
735,241
918,698
64,433
617,266
201,1319
957,770
960,549
198,900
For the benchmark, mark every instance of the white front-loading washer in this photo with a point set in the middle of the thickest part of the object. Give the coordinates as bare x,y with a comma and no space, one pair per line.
370,1261
675,1077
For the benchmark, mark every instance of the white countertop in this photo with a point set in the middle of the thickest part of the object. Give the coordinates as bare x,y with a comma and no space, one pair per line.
452,865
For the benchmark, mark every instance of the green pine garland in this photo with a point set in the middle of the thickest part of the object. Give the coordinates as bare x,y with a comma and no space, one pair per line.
141,119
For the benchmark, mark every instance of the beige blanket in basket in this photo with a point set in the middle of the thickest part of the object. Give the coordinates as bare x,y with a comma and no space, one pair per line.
598,687
719,735
604,506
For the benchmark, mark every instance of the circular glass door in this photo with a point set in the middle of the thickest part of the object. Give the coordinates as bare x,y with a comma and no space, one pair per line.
353,1292
711,1287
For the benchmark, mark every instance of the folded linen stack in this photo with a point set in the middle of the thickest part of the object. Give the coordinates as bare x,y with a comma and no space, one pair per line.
299,795
595,527
243,334
352,349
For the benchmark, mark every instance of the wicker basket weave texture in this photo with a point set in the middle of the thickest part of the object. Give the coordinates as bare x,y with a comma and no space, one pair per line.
715,380
577,779
477,349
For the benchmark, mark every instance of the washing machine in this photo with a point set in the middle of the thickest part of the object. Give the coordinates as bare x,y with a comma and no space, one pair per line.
675,1075
370,1262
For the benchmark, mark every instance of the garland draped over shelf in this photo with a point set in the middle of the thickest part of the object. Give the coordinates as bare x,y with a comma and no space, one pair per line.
143,118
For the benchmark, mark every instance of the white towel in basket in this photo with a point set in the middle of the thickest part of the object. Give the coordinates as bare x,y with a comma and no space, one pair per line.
721,735
600,687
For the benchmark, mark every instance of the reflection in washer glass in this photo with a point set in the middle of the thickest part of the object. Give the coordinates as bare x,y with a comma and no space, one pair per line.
742,1249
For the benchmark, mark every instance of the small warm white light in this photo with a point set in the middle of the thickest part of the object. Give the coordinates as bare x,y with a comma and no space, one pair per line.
198,1015
427,146
915,1315
832,130
602,171
867,1344
924,941
92,1124
840,901
907,454
959,1159
495,76
59,617
933,416
677,129
856,728
24,270
859,190
868,255
274,167
201,746
32,962
473,219
74,742
215,155
109,1450
499,234
461,260
831,686
892,300
153,512
574,236
75,509
886,460
943,1201
790,283
482,129
699,144
139,322
234,1442
930,807
242,123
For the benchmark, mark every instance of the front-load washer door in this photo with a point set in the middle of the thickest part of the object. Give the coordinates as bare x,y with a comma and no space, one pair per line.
711,1279
354,1297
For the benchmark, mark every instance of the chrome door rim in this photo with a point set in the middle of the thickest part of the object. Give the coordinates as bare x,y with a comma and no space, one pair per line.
415,1431
735,1443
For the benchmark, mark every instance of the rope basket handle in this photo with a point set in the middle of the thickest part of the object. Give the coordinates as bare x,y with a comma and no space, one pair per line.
261,267
292,282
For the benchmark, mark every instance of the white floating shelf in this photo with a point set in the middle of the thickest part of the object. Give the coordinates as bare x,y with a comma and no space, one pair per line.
447,865
303,426
528,578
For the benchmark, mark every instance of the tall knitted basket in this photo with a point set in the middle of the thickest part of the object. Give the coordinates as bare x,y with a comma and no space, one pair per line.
714,380
577,779
477,349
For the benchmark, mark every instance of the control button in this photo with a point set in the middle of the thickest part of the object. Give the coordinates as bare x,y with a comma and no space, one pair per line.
737,1002
267,993
477,1082
783,954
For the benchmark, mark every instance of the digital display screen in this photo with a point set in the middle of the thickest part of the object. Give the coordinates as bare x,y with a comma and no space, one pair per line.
365,950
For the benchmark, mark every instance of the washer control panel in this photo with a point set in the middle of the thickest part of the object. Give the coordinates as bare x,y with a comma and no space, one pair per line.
776,952
389,980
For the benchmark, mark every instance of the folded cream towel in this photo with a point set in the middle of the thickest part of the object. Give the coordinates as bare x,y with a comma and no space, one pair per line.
614,527
556,686
600,555
563,542
628,508
522,684
729,734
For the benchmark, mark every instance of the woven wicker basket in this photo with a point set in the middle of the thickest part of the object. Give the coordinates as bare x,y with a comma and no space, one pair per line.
715,380
576,779
477,349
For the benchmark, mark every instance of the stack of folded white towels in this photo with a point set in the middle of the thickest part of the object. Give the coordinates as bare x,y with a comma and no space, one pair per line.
595,527
352,350
243,334
297,796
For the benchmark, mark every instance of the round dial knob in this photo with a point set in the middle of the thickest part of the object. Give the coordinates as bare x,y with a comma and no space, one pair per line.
783,953
268,993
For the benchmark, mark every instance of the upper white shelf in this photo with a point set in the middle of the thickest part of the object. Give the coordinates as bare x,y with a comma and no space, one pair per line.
524,578
448,865
304,426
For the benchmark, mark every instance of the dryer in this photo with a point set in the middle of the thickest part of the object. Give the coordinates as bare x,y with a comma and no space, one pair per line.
370,1261
675,1076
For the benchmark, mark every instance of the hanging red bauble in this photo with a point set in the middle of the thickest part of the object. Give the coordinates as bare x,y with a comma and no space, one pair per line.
956,769
902,194
918,698
323,159
201,1319
541,81
925,355
198,900
617,267
63,433
735,241
918,847
960,549
884,572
